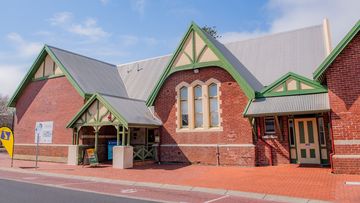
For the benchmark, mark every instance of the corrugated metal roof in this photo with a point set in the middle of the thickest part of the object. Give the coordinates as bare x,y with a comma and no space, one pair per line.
140,77
134,111
93,76
298,104
268,58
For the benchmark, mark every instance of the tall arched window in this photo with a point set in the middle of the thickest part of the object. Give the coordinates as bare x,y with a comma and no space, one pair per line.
198,105
214,105
184,111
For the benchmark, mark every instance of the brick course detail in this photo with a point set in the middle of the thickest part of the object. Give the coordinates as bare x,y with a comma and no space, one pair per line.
46,100
236,128
342,79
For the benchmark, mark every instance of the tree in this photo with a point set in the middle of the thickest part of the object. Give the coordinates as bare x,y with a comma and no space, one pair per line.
4,110
211,30
6,113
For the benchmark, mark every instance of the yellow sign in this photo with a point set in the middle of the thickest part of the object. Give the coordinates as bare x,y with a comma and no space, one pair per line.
7,139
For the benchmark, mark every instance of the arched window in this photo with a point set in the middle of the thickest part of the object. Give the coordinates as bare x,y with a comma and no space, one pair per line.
214,105
198,105
184,107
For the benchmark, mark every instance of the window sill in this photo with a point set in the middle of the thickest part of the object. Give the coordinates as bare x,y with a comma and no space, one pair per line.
269,137
188,130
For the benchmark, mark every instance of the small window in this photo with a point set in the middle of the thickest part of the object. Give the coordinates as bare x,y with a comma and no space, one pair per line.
214,105
291,133
322,132
184,107
198,107
269,125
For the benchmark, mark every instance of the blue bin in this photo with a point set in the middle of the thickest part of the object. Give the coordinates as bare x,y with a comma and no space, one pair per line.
111,144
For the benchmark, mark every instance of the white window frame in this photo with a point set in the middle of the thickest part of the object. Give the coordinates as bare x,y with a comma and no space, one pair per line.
265,130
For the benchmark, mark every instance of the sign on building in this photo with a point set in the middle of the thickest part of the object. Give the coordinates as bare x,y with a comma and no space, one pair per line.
44,131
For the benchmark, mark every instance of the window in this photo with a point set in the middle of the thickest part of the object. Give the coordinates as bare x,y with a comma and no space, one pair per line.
184,107
269,125
198,106
291,133
321,131
214,105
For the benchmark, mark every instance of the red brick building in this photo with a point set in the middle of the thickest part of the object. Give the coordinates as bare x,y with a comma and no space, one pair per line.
247,103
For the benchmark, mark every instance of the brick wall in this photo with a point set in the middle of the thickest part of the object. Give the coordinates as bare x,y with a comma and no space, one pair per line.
236,128
342,79
46,100
275,149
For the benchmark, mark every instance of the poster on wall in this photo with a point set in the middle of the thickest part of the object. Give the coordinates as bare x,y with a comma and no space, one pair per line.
44,131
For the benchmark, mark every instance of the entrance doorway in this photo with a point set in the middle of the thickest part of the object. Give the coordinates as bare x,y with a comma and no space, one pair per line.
307,141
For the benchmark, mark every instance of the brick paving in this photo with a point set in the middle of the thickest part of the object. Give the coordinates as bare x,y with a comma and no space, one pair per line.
286,180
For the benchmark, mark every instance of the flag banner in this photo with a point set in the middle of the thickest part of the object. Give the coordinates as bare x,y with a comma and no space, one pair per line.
7,139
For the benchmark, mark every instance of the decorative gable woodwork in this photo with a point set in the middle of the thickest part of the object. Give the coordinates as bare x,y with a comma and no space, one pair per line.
47,68
292,84
194,50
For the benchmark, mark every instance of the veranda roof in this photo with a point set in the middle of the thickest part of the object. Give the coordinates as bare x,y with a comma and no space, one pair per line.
289,105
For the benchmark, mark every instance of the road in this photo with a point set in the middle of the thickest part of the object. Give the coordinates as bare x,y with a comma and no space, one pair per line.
18,192
20,186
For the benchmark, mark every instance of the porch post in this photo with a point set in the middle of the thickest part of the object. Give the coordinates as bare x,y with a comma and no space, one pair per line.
74,136
77,135
117,135
128,138
96,137
277,123
123,136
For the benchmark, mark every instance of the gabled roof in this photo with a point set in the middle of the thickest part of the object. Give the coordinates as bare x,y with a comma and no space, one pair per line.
93,76
87,75
29,75
338,49
130,112
269,57
303,86
140,77
223,60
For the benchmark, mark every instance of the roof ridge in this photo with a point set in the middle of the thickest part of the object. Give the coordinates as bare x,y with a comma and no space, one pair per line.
120,97
225,44
270,35
141,60
70,52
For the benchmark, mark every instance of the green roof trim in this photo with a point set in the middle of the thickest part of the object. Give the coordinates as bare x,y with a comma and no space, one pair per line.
105,103
268,91
28,77
222,63
318,74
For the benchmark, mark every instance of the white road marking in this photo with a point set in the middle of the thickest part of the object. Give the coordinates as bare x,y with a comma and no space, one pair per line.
65,184
214,200
352,183
127,191
30,178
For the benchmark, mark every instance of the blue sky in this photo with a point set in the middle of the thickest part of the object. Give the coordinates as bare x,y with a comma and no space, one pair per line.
126,30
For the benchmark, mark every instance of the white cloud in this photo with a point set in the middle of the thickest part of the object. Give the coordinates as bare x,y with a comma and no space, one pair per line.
342,16
104,2
23,47
89,29
61,18
10,78
128,40
139,6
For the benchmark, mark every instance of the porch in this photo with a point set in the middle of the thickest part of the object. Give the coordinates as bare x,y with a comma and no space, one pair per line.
292,129
113,133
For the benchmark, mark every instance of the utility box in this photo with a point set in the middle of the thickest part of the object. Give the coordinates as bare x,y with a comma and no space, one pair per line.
111,144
